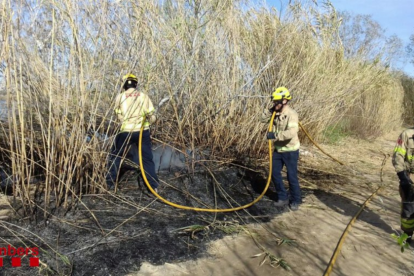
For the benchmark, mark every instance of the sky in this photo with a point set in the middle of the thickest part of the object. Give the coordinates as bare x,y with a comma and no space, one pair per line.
395,16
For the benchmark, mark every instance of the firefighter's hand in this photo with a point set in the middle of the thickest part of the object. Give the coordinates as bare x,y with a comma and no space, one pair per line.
404,179
271,135
151,117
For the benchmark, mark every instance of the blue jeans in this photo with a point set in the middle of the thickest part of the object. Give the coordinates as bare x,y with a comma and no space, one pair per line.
290,160
128,141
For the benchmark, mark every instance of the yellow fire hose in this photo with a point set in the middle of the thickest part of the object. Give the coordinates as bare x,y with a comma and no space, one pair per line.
348,227
310,138
345,233
204,209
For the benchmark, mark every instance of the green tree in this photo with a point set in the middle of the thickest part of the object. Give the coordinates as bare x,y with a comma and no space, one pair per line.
363,37
408,85
410,49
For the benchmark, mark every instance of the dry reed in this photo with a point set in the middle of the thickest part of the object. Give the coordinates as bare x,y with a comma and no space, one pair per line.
211,63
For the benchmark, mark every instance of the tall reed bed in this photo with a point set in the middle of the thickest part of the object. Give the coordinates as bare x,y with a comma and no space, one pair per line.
212,65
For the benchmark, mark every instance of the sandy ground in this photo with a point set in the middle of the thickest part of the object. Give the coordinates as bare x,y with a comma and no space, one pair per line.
318,225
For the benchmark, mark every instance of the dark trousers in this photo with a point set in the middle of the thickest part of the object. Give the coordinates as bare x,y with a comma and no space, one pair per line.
407,208
126,145
290,160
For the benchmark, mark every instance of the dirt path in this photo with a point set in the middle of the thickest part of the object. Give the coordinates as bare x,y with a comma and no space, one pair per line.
318,225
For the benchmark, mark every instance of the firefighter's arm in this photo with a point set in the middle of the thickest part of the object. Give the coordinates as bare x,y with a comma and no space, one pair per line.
398,159
117,109
150,111
291,130
265,118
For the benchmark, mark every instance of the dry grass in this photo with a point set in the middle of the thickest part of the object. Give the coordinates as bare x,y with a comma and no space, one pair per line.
211,63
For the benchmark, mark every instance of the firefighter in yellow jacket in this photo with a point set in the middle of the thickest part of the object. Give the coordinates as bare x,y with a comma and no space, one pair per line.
404,166
286,147
131,107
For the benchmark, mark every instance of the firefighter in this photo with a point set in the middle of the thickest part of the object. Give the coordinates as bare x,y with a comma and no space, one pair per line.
286,148
131,107
402,162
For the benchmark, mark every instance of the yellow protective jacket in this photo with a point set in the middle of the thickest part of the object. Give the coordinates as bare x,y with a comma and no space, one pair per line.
402,161
286,127
131,107
404,152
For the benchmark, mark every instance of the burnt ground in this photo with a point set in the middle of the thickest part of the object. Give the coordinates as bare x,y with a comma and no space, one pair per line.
134,234
113,234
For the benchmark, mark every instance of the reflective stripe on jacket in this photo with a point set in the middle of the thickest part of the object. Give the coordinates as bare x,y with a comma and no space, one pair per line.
404,152
286,127
131,106
407,225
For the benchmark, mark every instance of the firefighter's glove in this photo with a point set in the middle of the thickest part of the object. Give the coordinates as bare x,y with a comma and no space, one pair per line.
404,179
271,135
